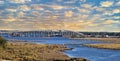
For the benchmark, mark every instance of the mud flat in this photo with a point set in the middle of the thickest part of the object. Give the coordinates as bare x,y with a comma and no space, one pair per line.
35,52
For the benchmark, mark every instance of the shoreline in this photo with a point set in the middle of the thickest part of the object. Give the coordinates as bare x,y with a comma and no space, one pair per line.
113,40
104,46
112,43
35,52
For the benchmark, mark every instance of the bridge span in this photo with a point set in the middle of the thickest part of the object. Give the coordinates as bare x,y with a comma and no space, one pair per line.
69,34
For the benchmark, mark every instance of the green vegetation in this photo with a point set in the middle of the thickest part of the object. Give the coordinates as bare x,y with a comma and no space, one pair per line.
3,42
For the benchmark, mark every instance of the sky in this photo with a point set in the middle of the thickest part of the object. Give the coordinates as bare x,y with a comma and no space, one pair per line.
74,15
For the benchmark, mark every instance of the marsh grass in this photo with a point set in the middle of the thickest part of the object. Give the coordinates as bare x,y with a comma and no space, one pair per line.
105,46
112,40
113,43
32,52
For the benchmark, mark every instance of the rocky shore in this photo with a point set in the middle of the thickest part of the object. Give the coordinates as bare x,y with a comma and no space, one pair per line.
35,52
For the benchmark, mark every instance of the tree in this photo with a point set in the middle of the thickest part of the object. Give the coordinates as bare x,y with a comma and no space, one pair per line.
3,42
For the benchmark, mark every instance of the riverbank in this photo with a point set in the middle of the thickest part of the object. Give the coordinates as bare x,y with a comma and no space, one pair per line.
112,40
114,43
34,52
105,46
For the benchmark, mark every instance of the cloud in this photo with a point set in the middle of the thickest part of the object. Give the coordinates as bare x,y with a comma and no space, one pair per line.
70,1
11,9
107,12
107,22
86,5
73,25
9,20
87,23
54,14
24,8
116,11
35,13
95,18
79,25
118,3
110,12
106,3
36,7
83,0
28,0
43,6
116,17
82,10
16,1
49,24
68,13
59,0
107,28
2,2
55,7
83,16
20,14
100,9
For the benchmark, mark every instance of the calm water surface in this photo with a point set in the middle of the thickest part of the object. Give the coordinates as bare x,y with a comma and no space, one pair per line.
92,54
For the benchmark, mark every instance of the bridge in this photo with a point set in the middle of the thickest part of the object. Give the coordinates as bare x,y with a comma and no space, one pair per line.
68,34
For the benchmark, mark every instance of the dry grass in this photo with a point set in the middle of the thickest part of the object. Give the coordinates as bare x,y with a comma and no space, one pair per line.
113,40
32,52
105,46
115,43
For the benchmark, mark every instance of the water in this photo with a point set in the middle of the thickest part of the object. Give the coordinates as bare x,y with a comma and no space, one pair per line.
92,54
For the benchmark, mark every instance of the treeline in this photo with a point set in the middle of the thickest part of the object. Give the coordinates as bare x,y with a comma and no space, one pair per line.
115,34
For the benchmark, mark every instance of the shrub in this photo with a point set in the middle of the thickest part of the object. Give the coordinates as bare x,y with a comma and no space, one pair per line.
2,42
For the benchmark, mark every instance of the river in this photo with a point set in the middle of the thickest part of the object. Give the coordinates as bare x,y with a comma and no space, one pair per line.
79,50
